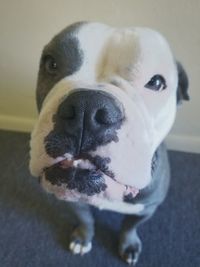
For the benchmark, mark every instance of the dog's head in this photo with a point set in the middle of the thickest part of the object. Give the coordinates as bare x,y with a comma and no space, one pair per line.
107,98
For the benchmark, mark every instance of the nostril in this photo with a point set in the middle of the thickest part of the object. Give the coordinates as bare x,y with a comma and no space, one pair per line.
106,116
101,116
68,112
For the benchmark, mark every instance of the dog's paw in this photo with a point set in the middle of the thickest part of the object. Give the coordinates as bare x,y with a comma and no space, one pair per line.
81,240
76,247
130,250
130,255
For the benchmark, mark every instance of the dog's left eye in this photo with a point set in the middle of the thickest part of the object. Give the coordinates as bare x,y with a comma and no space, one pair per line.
50,65
157,83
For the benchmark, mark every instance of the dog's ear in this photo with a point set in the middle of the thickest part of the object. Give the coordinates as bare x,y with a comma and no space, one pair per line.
183,84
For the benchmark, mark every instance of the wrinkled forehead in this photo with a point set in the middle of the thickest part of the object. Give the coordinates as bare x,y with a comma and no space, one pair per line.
145,42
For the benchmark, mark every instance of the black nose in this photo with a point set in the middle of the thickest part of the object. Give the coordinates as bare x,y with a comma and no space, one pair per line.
91,116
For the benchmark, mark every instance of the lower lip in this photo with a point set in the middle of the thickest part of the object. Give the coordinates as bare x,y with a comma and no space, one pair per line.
114,189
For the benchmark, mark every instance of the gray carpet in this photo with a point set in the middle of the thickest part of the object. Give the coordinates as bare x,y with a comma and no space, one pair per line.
34,226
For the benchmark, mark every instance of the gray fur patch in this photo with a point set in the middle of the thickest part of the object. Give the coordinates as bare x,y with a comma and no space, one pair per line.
64,48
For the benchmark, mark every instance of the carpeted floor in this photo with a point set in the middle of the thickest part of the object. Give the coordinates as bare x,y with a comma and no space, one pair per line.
34,227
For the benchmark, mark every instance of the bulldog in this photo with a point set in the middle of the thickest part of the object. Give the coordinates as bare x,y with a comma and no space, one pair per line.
107,98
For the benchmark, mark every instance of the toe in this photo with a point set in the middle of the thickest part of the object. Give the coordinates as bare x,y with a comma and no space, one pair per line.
85,249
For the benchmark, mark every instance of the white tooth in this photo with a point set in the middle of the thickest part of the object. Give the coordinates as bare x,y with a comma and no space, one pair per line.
83,164
76,162
68,156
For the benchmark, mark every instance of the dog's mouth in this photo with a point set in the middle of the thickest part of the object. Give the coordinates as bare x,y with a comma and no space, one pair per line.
77,163
88,176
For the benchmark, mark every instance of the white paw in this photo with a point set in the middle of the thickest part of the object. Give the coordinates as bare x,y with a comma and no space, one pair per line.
78,248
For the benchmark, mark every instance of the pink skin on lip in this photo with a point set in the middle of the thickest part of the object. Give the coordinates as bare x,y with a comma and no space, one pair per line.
117,191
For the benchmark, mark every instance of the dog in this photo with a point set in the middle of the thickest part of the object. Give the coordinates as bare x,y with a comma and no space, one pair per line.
107,98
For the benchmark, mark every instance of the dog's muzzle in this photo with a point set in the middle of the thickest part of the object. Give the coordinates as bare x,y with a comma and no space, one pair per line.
85,119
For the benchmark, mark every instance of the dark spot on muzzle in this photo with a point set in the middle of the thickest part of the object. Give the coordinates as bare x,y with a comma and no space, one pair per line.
101,164
129,198
57,143
89,182
85,120
154,163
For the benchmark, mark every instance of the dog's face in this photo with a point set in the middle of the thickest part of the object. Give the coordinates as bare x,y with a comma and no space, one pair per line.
107,99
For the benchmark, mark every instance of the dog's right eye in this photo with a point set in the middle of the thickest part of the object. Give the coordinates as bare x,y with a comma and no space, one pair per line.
50,65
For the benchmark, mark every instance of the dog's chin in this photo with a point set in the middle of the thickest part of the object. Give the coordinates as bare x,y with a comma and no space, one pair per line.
81,180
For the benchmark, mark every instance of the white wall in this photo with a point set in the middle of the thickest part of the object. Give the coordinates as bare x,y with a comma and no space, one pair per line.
25,26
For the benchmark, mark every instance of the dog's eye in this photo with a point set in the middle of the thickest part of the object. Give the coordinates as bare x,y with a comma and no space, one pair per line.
157,83
50,65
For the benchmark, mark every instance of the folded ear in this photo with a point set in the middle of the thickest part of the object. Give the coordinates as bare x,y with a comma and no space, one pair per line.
183,83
